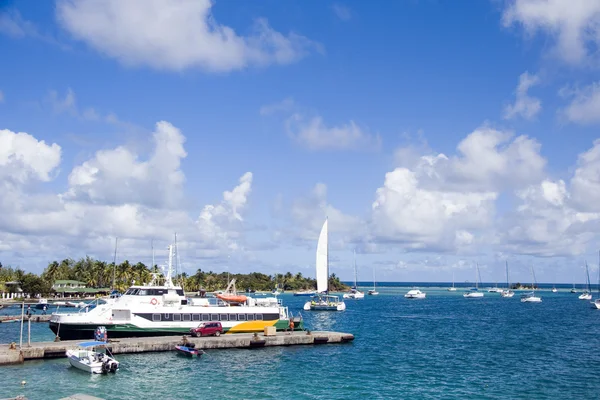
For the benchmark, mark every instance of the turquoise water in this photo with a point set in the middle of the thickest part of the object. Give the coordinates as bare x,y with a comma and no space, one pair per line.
442,347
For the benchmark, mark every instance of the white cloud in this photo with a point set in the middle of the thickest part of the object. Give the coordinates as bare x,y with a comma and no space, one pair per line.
341,11
119,176
575,24
434,201
23,157
421,218
315,135
220,223
585,106
525,105
115,193
585,184
546,223
487,160
12,24
176,35
59,105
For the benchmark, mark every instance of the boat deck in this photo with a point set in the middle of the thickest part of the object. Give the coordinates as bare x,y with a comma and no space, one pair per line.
42,350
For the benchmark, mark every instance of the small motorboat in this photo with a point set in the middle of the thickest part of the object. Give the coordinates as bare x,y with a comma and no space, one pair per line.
188,350
305,293
415,294
41,304
87,359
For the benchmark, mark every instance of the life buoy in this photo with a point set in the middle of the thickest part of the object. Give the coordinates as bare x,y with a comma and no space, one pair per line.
154,301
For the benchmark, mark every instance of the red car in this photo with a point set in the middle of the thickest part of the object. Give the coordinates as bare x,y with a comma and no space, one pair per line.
207,329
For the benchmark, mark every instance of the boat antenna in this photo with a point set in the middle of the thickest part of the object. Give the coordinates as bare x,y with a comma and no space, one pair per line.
115,263
178,262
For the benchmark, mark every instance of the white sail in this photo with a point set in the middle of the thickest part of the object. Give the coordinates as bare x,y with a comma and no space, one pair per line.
323,260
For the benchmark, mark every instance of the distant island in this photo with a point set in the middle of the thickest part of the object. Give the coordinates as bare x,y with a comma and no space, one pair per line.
518,286
100,274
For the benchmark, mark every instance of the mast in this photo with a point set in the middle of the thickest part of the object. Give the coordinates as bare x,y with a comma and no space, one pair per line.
599,274
587,272
115,263
373,278
476,275
355,274
507,283
327,235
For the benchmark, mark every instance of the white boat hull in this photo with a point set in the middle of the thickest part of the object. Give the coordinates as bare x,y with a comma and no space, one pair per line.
452,289
531,299
585,296
415,296
354,296
92,362
507,293
341,306
473,295
596,303
373,292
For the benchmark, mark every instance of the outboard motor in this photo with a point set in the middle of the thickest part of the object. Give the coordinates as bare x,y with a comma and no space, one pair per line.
106,366
113,367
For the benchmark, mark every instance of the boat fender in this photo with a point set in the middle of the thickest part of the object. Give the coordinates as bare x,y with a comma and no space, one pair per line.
154,301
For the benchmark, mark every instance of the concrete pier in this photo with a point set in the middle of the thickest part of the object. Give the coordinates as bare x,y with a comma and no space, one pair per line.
41,350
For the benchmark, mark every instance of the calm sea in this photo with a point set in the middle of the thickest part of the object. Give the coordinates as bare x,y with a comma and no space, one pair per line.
442,347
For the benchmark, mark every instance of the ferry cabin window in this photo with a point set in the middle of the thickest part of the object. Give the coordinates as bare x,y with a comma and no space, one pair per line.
259,317
233,317
224,317
155,317
214,317
186,317
142,292
241,317
195,317
176,317
250,317
205,317
180,292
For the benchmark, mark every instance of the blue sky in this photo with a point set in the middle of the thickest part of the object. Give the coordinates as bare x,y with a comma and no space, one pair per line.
434,135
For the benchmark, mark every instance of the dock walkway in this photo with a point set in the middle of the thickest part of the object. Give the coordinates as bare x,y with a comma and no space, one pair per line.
41,350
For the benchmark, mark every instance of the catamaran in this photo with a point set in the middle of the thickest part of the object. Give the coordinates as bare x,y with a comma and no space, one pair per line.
474,292
158,309
507,292
354,292
322,301
587,293
373,292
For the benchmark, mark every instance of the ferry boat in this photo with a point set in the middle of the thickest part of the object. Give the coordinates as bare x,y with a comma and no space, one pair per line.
163,309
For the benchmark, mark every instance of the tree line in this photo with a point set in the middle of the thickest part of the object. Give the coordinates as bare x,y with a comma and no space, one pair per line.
101,274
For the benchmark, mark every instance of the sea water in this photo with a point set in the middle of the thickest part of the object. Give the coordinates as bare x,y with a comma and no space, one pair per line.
444,346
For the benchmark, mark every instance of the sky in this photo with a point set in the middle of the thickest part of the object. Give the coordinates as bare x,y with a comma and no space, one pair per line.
433,135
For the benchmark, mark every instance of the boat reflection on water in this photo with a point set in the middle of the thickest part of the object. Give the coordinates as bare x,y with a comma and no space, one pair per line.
323,321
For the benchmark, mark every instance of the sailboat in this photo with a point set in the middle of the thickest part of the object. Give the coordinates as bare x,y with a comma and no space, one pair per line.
373,292
452,289
597,302
354,292
531,297
474,292
587,293
322,301
507,292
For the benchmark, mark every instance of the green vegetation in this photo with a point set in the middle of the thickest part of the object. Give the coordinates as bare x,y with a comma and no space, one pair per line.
99,274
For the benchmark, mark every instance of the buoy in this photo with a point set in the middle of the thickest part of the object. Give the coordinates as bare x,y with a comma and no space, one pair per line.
23,383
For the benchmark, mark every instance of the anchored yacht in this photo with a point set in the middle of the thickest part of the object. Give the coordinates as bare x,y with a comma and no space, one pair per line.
162,309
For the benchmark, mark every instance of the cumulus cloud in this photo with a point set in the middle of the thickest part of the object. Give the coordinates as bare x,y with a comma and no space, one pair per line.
23,157
115,193
119,176
12,24
313,134
440,202
428,219
574,24
220,223
585,105
525,106
176,35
